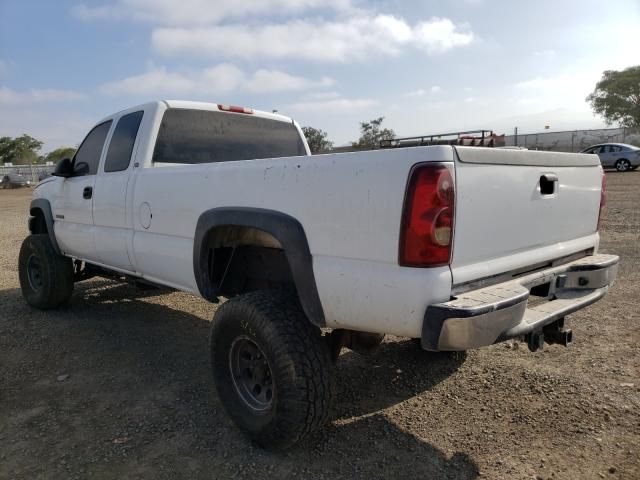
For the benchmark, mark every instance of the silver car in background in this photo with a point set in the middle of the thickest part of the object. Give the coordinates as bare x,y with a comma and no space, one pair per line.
621,156
13,180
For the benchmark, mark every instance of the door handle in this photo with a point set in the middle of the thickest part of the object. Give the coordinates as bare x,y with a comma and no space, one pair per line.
87,193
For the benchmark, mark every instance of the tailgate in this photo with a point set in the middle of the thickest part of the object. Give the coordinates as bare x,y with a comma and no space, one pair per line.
520,208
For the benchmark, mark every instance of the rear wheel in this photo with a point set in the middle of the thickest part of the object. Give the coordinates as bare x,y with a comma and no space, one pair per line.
46,278
271,368
623,165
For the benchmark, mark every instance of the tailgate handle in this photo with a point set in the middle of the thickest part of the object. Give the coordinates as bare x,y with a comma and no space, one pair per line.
548,183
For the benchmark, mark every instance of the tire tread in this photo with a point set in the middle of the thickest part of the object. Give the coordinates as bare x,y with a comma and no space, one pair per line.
299,354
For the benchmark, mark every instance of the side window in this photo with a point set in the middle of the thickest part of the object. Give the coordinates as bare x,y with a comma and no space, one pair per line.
91,148
615,149
122,140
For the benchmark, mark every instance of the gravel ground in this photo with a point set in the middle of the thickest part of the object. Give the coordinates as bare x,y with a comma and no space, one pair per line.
118,385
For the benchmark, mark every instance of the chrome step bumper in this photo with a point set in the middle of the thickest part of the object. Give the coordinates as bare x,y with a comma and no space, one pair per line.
492,314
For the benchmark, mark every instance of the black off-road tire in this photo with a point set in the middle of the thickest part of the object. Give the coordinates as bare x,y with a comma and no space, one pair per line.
46,278
298,359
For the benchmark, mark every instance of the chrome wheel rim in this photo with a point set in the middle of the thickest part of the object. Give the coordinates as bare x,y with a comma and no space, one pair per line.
251,374
623,165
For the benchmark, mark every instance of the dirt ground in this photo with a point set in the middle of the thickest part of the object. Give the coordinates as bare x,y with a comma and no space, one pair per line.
118,386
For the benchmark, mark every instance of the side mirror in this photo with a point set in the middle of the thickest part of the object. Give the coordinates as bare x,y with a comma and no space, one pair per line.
80,169
64,168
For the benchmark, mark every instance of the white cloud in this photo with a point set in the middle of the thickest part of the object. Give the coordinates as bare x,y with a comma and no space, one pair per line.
421,92
220,79
14,97
355,39
83,12
338,105
45,125
321,96
416,93
539,82
274,80
199,12
441,34
577,83
545,54
567,90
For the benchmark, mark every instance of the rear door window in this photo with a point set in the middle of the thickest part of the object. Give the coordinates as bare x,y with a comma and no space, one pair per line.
201,136
91,148
122,141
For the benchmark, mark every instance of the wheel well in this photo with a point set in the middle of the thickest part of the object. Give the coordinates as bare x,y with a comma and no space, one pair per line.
242,259
260,247
37,222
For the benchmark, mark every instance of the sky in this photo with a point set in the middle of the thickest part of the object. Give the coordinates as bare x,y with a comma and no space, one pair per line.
426,66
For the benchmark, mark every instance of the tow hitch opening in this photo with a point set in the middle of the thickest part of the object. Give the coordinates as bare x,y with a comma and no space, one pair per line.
555,332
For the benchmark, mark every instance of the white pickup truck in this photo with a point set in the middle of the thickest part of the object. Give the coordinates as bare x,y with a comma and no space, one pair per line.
460,247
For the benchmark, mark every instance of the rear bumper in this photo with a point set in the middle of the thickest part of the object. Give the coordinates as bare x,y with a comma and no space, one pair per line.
507,310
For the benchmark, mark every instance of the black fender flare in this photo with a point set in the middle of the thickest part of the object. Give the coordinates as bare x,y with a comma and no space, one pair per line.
43,205
284,228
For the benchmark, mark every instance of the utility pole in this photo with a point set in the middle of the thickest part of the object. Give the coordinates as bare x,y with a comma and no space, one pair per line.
515,136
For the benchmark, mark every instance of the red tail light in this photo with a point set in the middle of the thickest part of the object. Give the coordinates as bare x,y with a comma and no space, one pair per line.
426,232
235,109
603,200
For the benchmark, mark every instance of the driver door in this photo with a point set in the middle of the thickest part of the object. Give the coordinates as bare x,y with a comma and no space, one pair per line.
73,204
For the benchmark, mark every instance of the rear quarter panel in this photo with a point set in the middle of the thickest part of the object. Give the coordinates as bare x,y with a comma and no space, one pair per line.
349,205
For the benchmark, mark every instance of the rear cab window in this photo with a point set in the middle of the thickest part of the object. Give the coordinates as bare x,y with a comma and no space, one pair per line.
202,136
122,142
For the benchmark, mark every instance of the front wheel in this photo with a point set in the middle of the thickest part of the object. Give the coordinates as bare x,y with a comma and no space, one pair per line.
271,368
46,278
623,165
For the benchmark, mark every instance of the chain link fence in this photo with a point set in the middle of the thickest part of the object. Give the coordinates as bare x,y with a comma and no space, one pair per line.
572,140
33,173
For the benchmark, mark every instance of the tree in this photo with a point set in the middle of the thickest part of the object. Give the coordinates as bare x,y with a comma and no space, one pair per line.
59,153
317,139
617,97
372,132
21,150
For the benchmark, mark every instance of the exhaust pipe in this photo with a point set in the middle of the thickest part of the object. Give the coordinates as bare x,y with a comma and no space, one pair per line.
363,343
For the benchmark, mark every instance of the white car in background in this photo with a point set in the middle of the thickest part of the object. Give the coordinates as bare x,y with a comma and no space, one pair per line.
621,156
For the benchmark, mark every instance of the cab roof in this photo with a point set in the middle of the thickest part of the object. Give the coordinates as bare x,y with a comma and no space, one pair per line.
216,107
